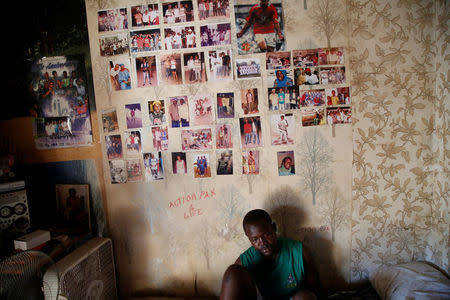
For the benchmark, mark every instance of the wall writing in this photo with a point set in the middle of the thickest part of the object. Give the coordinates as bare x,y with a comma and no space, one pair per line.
186,202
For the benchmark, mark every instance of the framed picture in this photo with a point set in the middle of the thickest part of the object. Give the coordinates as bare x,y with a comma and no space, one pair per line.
72,207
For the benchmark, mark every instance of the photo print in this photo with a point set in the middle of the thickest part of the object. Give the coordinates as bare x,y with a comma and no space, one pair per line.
134,169
72,207
339,115
224,162
312,97
313,116
286,163
220,65
259,26
251,135
224,137
179,165
282,129
305,58
157,112
117,171
249,101
248,68
112,20
180,37
109,120
144,15
215,34
202,165
196,139
194,67
332,75
306,76
153,166
120,75
178,12
213,9
278,60
225,105
280,78
58,128
133,115
145,40
113,146
201,107
283,98
171,68
331,56
160,137
250,162
114,45
146,73
179,111
133,141
338,96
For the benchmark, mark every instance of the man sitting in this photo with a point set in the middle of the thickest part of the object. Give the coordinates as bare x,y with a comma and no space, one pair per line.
273,268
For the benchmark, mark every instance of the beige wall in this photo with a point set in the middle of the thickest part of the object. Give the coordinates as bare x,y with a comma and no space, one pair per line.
389,172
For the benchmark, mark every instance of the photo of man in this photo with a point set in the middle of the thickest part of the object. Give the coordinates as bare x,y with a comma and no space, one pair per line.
171,68
282,129
202,165
224,162
250,132
286,163
250,162
179,163
225,105
153,166
194,67
146,73
249,100
179,111
220,65
156,111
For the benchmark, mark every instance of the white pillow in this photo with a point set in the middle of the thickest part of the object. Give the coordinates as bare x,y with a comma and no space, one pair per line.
414,280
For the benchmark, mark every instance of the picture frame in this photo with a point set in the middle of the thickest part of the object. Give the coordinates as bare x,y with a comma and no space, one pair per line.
72,207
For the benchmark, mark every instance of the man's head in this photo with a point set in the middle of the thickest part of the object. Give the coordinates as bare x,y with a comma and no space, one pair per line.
261,232
287,162
264,3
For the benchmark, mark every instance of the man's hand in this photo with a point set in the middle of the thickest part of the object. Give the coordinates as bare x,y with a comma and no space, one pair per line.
239,34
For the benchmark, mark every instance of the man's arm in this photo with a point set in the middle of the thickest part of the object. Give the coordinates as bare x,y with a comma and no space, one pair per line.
248,23
238,261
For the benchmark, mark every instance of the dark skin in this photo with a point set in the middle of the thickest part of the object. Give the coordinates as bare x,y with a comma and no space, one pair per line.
237,282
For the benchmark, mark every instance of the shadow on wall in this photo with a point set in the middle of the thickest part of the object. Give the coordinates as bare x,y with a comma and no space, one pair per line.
285,206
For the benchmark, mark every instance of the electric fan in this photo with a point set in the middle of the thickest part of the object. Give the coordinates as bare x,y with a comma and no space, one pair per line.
21,277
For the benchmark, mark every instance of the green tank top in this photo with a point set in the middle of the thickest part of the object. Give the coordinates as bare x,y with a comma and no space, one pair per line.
279,279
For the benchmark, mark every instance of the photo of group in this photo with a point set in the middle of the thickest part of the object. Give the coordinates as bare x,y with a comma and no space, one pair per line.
157,112
145,40
338,96
259,26
202,112
339,115
250,132
220,65
114,45
306,76
133,141
225,105
134,169
279,78
250,162
249,101
112,19
117,171
224,162
58,128
286,163
282,129
179,165
313,116
331,56
224,137
179,111
178,12
196,139
113,146
283,98
144,15
109,120
278,60
180,37
171,68
248,68
160,138
202,165
312,98
133,115
146,72
305,58
119,72
194,67
213,9
153,166
332,75
215,34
